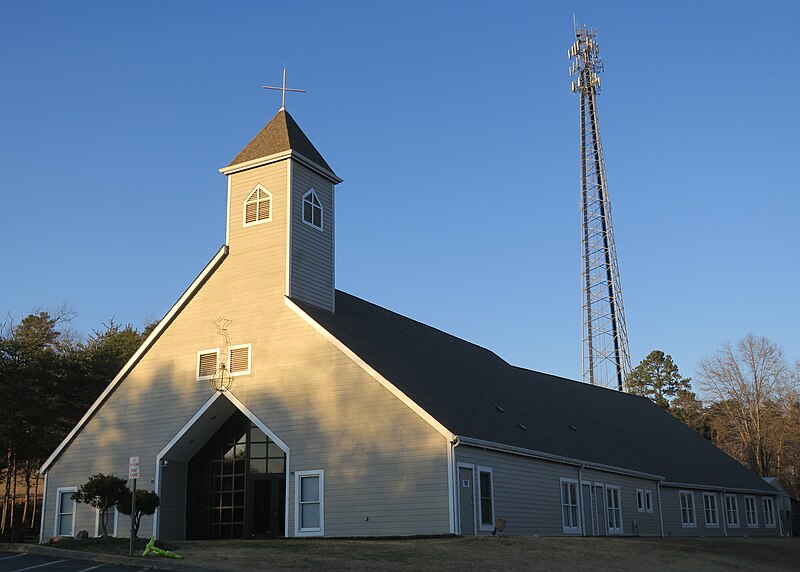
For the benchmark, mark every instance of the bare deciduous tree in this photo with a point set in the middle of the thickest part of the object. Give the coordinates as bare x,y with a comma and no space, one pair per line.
753,392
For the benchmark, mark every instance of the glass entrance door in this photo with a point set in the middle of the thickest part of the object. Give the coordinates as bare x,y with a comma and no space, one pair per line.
236,485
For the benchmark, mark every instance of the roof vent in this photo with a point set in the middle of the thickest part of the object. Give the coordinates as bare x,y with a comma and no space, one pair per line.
500,409
573,427
521,426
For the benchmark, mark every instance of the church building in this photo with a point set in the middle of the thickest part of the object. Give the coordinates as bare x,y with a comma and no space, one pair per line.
267,404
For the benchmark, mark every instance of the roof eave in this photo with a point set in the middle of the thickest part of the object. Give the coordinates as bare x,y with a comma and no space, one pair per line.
505,448
274,158
146,345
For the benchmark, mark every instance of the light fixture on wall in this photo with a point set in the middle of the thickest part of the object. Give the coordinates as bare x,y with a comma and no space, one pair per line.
221,380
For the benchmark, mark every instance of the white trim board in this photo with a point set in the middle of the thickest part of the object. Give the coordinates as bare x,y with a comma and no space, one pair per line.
154,335
288,154
371,371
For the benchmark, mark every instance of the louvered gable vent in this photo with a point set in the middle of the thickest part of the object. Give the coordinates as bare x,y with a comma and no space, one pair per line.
258,206
206,364
240,360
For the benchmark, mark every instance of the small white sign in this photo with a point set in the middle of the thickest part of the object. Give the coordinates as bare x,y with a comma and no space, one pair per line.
465,483
133,468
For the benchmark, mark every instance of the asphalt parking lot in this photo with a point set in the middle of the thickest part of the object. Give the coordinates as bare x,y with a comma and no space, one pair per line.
11,562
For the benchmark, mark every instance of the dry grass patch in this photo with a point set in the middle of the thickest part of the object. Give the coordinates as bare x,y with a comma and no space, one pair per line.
509,553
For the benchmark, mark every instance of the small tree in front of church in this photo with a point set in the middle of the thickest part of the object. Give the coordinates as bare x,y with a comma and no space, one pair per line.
102,492
146,504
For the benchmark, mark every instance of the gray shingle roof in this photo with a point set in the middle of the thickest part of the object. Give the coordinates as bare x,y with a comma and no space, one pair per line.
460,384
281,134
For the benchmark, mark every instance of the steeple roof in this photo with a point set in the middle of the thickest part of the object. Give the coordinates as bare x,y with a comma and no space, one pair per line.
281,134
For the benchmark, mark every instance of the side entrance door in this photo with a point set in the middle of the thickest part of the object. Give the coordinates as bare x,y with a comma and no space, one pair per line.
466,497
267,506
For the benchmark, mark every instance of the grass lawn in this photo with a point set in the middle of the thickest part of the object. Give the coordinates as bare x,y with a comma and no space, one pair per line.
506,553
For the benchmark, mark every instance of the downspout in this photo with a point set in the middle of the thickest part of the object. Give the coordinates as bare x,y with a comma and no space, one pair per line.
660,512
456,514
580,500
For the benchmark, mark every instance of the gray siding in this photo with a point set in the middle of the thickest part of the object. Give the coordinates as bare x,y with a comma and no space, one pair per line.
673,525
312,278
527,493
381,460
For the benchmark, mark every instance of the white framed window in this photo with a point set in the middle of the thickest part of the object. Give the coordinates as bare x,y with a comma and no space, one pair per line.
639,500
731,511
688,519
769,512
710,510
648,500
613,509
750,512
239,359
309,508
257,207
111,527
569,506
207,361
312,209
65,511
485,498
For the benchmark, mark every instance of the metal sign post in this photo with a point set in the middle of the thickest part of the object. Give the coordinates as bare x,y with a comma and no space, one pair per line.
133,473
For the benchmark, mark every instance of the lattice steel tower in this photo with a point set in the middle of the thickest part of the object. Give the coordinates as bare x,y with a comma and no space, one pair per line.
606,357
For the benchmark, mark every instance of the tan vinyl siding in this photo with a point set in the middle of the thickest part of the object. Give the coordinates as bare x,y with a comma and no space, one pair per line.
312,249
527,493
381,460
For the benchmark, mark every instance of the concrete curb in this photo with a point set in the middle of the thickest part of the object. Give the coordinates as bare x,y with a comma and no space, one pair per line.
154,563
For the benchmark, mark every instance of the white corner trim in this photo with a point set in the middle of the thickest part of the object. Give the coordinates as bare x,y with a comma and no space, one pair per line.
228,215
371,371
43,514
289,215
154,335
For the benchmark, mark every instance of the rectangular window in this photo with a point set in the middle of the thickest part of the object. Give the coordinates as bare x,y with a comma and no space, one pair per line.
310,503
613,510
486,506
710,510
569,505
687,509
639,500
750,512
65,512
111,526
648,500
207,364
731,511
769,513
239,359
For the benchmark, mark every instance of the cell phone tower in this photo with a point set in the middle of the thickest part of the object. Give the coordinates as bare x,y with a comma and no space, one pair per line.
606,357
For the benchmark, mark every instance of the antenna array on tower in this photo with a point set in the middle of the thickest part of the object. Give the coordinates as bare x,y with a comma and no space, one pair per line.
606,357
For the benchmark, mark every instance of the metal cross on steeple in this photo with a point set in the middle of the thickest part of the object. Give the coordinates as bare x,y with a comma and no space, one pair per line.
283,89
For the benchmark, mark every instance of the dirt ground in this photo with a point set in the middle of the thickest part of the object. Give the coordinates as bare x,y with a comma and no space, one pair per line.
507,553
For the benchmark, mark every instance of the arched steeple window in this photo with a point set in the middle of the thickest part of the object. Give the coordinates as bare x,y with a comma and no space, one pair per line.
312,209
258,206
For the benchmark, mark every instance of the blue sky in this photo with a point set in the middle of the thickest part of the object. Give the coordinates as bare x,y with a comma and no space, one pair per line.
454,128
